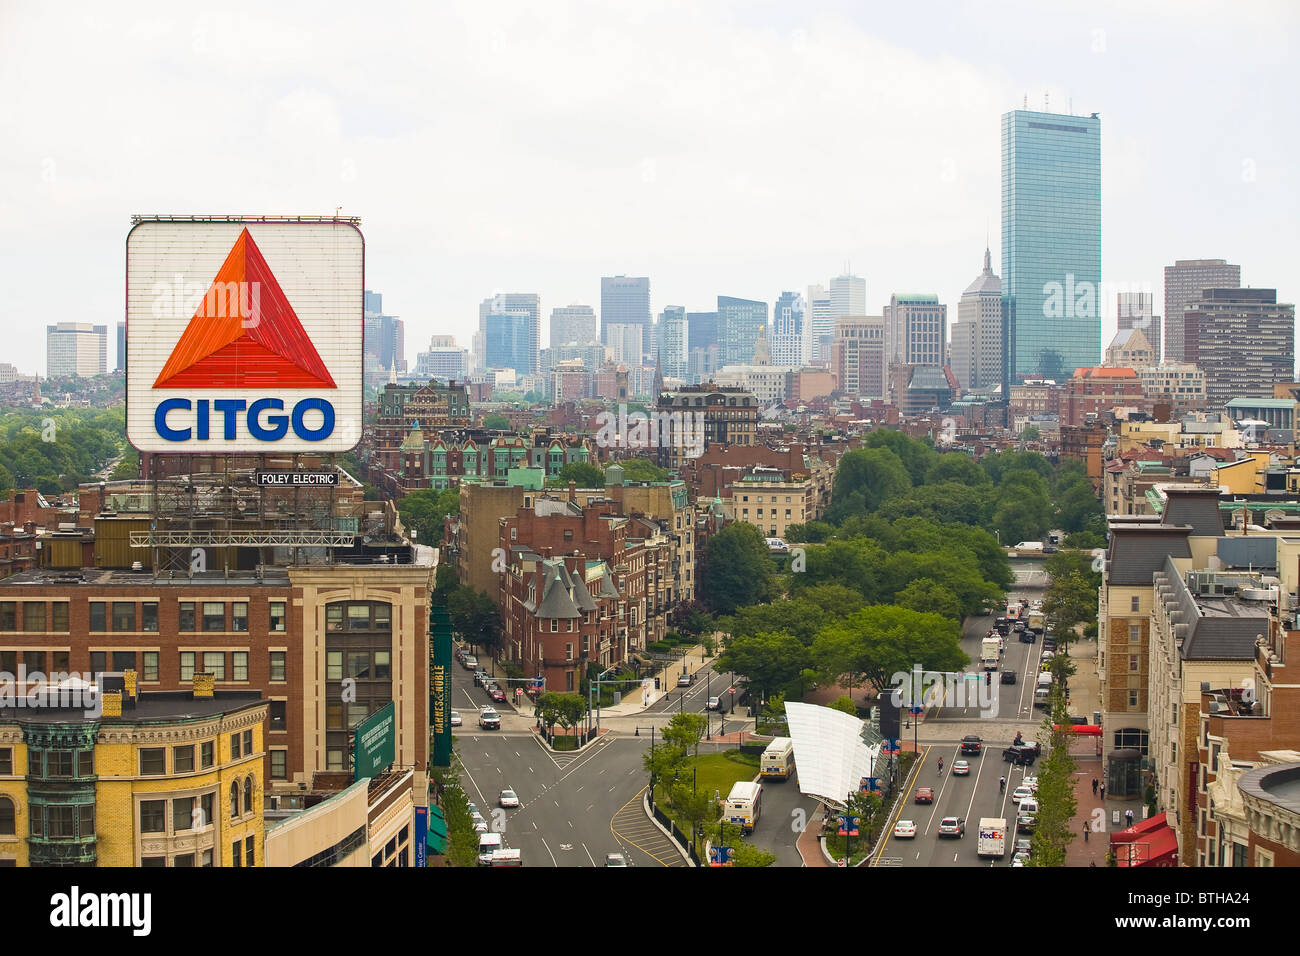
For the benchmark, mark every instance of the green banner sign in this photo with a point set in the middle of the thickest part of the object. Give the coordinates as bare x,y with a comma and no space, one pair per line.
374,743
440,685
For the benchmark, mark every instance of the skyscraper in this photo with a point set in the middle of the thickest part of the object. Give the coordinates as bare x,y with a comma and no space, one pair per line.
121,347
573,324
739,324
1133,311
790,331
671,345
1184,281
977,334
1051,244
1243,340
859,355
821,324
76,348
916,330
385,338
848,296
624,300
626,342
507,341
701,330
528,302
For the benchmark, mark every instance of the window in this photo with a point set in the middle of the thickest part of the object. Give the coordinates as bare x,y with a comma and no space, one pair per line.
248,742
234,801
1135,603
182,814
235,752
86,820
60,823
8,615
124,660
8,820
98,616
334,717
555,625
34,764
34,661
98,661
239,616
149,616
9,662
36,824
183,859
123,615
239,665
1133,662
249,844
1132,698
277,616
1135,633
334,617
6,761
248,795
277,715
62,661
183,759
153,861
150,671
186,622
358,617
85,763
277,665
207,809
214,663
153,761
207,754
187,665
383,664
58,763
153,816
568,652
214,616
33,616
279,769
333,665
206,858
234,853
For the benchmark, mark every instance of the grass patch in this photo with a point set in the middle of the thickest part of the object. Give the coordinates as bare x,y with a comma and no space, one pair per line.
562,742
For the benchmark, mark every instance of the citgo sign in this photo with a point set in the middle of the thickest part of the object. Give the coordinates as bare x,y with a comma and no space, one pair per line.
244,335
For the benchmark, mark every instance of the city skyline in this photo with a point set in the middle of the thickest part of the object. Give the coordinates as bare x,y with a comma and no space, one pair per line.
902,223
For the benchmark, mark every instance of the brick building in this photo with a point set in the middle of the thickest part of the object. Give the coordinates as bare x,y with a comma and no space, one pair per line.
1092,394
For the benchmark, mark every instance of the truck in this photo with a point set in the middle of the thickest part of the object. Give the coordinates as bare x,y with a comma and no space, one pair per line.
993,837
1031,546
1037,622
744,805
989,653
778,759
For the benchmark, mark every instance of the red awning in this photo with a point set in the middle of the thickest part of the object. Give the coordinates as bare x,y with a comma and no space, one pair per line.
1151,842
1083,730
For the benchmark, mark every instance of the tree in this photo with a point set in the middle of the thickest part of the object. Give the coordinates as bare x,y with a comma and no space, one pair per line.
798,616
925,594
894,640
548,708
959,467
496,422
1085,540
572,708
866,477
845,705
691,618
425,510
642,469
684,731
581,474
768,661
1056,800
1030,433
1070,600
476,617
917,456
834,600
812,532
738,568
852,564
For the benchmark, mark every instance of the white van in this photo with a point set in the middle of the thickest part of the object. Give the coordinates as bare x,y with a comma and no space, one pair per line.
1043,697
778,760
744,805
1029,805
1045,679
488,843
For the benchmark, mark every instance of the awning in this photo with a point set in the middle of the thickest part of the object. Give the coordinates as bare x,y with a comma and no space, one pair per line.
436,839
1083,730
1151,842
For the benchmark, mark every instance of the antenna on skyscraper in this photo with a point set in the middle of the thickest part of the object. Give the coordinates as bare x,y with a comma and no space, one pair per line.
1026,101
1047,101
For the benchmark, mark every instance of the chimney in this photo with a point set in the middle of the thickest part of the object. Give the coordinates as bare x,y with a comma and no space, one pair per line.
128,691
573,491
203,685
111,702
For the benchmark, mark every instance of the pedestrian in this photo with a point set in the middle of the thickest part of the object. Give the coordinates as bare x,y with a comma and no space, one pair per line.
1103,791
1085,833
1128,817
1094,786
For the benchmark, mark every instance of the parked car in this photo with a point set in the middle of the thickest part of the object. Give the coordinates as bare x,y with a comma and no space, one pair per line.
469,662
1020,859
1030,781
1027,636
1008,676
1026,823
508,798
924,795
497,694
952,827
480,678
685,680
455,718
1024,845
905,829
1021,793
961,769
970,744
489,719
715,703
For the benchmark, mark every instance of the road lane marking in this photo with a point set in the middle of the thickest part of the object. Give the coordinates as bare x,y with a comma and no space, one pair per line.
548,852
589,856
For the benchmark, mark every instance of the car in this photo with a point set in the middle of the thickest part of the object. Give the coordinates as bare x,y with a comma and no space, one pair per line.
1008,676
1023,755
952,827
1030,781
1024,845
715,703
480,678
1048,655
497,695
508,798
961,769
1049,645
1020,859
480,824
460,655
905,829
1019,626
924,795
455,718
489,719
470,662
1077,720
615,859
1027,637
1021,793
685,680
971,744
1026,823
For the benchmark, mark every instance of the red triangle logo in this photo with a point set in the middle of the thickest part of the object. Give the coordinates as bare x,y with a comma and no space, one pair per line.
245,333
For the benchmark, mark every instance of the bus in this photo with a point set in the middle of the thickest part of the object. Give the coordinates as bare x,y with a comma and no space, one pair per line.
744,805
778,759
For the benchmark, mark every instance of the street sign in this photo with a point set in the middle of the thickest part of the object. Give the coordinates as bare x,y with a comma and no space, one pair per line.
915,710
848,826
891,745
722,856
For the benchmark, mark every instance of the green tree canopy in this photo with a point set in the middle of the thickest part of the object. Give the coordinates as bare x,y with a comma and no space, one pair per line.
425,510
738,568
768,661
642,469
866,477
581,474
892,640
925,594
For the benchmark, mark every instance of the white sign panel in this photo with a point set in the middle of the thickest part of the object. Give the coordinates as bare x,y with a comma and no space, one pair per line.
244,337
830,755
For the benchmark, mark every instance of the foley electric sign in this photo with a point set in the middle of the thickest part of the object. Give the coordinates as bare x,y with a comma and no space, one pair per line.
244,335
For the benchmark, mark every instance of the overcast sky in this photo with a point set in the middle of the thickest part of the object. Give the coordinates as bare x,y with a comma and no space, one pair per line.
720,148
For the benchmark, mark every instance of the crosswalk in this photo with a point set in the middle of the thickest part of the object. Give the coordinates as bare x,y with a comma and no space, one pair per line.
630,825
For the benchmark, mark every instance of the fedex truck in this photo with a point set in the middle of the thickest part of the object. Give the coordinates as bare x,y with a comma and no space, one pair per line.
993,837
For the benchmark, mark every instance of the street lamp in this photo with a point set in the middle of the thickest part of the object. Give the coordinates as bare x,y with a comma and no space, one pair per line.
708,688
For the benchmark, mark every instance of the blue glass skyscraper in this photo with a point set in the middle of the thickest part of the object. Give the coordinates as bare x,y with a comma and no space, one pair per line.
1051,245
